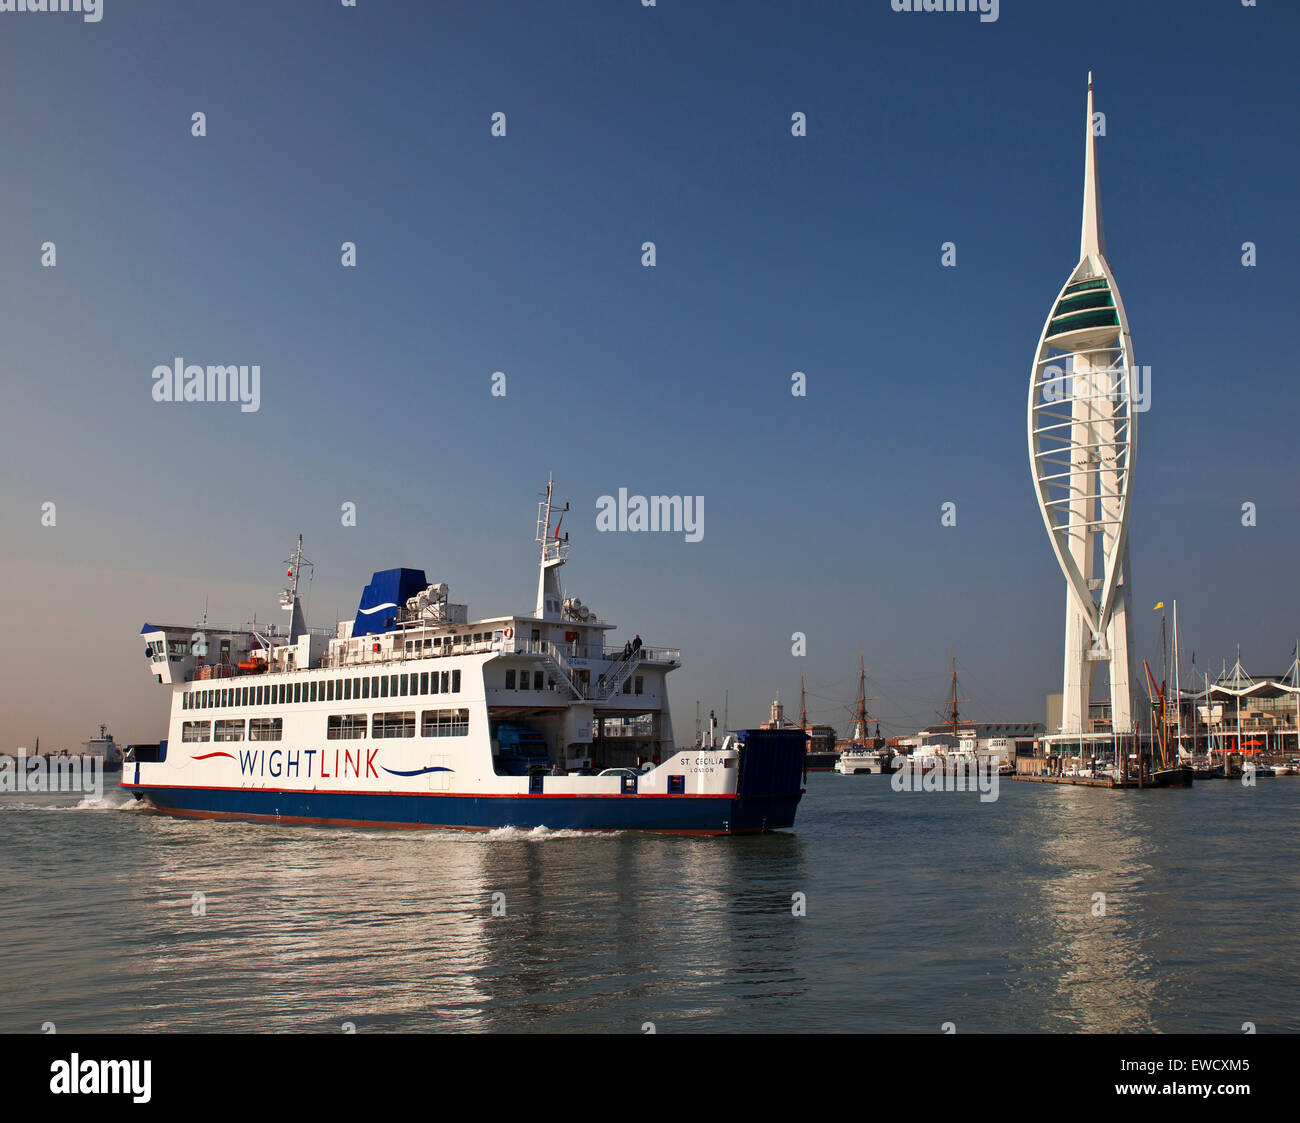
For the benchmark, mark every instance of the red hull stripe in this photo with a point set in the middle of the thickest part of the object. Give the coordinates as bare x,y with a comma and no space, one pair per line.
298,820
454,795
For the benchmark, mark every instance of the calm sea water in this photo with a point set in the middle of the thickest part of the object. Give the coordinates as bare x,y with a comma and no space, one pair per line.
921,909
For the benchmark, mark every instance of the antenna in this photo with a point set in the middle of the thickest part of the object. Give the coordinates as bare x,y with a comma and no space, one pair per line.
289,595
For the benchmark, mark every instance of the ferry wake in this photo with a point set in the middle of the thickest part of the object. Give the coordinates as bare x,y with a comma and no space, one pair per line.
412,715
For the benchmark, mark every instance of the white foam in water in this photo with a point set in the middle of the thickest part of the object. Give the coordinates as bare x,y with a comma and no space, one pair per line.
498,834
536,834
117,801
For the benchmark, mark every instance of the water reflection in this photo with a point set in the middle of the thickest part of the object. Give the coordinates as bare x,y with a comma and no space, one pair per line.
920,910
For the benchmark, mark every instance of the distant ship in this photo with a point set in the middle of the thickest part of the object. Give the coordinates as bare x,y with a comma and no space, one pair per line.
413,715
106,748
864,753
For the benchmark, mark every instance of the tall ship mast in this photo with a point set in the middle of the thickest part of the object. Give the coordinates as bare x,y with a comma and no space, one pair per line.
414,714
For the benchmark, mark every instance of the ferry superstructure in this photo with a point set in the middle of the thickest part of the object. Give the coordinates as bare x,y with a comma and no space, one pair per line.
414,715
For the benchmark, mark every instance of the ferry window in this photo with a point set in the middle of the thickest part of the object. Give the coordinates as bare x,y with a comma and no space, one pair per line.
424,682
444,723
523,680
428,643
265,728
185,700
676,785
627,686
497,637
392,686
408,647
537,680
446,678
640,683
510,680
297,692
261,695
246,697
455,682
229,730
437,641
365,688
195,730
405,682
346,727
329,690
400,724
374,686
383,686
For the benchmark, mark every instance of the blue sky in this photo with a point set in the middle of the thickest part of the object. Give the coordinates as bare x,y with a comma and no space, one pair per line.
522,254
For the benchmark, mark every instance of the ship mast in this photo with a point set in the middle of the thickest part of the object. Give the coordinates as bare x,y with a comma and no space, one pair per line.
554,553
289,596
953,716
861,732
803,705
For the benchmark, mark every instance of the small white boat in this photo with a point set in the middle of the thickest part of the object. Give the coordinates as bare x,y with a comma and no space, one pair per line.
857,759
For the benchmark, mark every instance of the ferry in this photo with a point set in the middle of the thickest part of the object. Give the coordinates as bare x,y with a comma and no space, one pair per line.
414,715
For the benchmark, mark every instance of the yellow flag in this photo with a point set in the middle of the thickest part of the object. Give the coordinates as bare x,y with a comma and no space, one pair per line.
1160,605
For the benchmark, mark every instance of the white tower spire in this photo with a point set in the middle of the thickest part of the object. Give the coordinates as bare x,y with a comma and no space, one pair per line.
1082,432
1093,239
